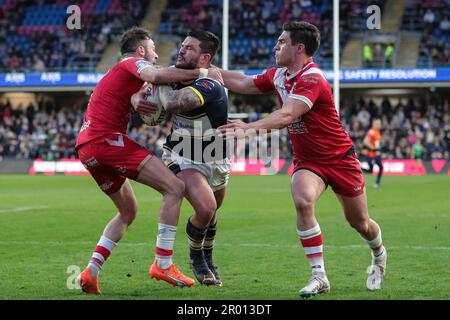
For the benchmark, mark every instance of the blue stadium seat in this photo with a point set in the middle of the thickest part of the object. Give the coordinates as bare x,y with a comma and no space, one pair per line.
102,6
215,2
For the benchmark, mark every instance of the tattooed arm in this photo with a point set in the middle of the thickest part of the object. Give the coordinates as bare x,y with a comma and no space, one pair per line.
180,101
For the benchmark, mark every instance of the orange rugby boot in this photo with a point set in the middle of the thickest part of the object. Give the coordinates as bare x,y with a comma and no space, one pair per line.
88,282
171,275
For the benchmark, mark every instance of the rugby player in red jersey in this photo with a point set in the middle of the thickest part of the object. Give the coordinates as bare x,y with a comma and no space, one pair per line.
112,157
323,151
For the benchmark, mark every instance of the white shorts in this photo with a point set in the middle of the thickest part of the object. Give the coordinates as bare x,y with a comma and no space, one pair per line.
217,173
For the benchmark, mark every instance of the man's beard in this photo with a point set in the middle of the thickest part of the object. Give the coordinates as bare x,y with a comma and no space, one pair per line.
186,64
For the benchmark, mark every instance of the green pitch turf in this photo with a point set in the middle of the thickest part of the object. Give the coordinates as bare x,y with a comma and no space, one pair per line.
50,224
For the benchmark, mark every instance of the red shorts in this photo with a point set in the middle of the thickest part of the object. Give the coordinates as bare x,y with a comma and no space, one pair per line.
345,176
111,159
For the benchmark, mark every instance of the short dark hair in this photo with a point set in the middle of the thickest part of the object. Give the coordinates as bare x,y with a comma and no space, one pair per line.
209,42
306,33
131,39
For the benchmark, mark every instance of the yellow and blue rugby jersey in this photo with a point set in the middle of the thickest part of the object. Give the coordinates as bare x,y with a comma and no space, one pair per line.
193,134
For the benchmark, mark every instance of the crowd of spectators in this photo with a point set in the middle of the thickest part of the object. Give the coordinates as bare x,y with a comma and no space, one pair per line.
56,48
43,130
411,128
432,19
254,25
253,28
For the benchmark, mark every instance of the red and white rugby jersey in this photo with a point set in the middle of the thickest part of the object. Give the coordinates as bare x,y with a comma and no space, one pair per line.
109,107
318,135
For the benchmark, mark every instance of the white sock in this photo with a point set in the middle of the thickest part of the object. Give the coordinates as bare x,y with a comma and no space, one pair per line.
312,243
376,245
164,245
100,254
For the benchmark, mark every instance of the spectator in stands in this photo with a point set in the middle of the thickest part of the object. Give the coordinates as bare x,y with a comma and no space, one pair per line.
368,56
445,25
38,64
429,17
437,150
388,54
417,151
364,117
402,150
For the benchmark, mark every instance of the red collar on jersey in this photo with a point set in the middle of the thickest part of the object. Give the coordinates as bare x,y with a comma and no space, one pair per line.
308,62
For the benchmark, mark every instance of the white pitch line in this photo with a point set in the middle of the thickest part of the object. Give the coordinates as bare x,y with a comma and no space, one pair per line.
22,209
254,245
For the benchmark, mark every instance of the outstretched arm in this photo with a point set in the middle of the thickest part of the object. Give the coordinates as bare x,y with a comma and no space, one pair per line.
167,75
179,101
239,82
292,110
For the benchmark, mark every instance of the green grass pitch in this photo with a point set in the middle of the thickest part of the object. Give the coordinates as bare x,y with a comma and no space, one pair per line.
49,223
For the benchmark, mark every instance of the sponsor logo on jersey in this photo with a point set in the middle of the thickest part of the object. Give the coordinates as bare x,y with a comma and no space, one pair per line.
91,163
121,169
107,185
298,127
311,79
358,188
205,84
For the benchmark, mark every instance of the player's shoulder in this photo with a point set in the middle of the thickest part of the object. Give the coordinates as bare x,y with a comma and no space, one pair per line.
277,71
312,72
138,62
271,71
208,84
130,60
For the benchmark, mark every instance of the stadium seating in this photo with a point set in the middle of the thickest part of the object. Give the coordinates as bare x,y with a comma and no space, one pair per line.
38,39
430,18
260,22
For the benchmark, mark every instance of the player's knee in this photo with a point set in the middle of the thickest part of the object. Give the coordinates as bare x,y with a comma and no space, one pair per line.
304,204
206,211
129,213
362,226
176,188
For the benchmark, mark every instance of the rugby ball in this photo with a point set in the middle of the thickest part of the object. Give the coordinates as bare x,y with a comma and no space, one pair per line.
152,95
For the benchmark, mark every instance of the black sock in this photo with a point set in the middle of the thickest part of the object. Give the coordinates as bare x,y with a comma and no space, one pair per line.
196,237
208,244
